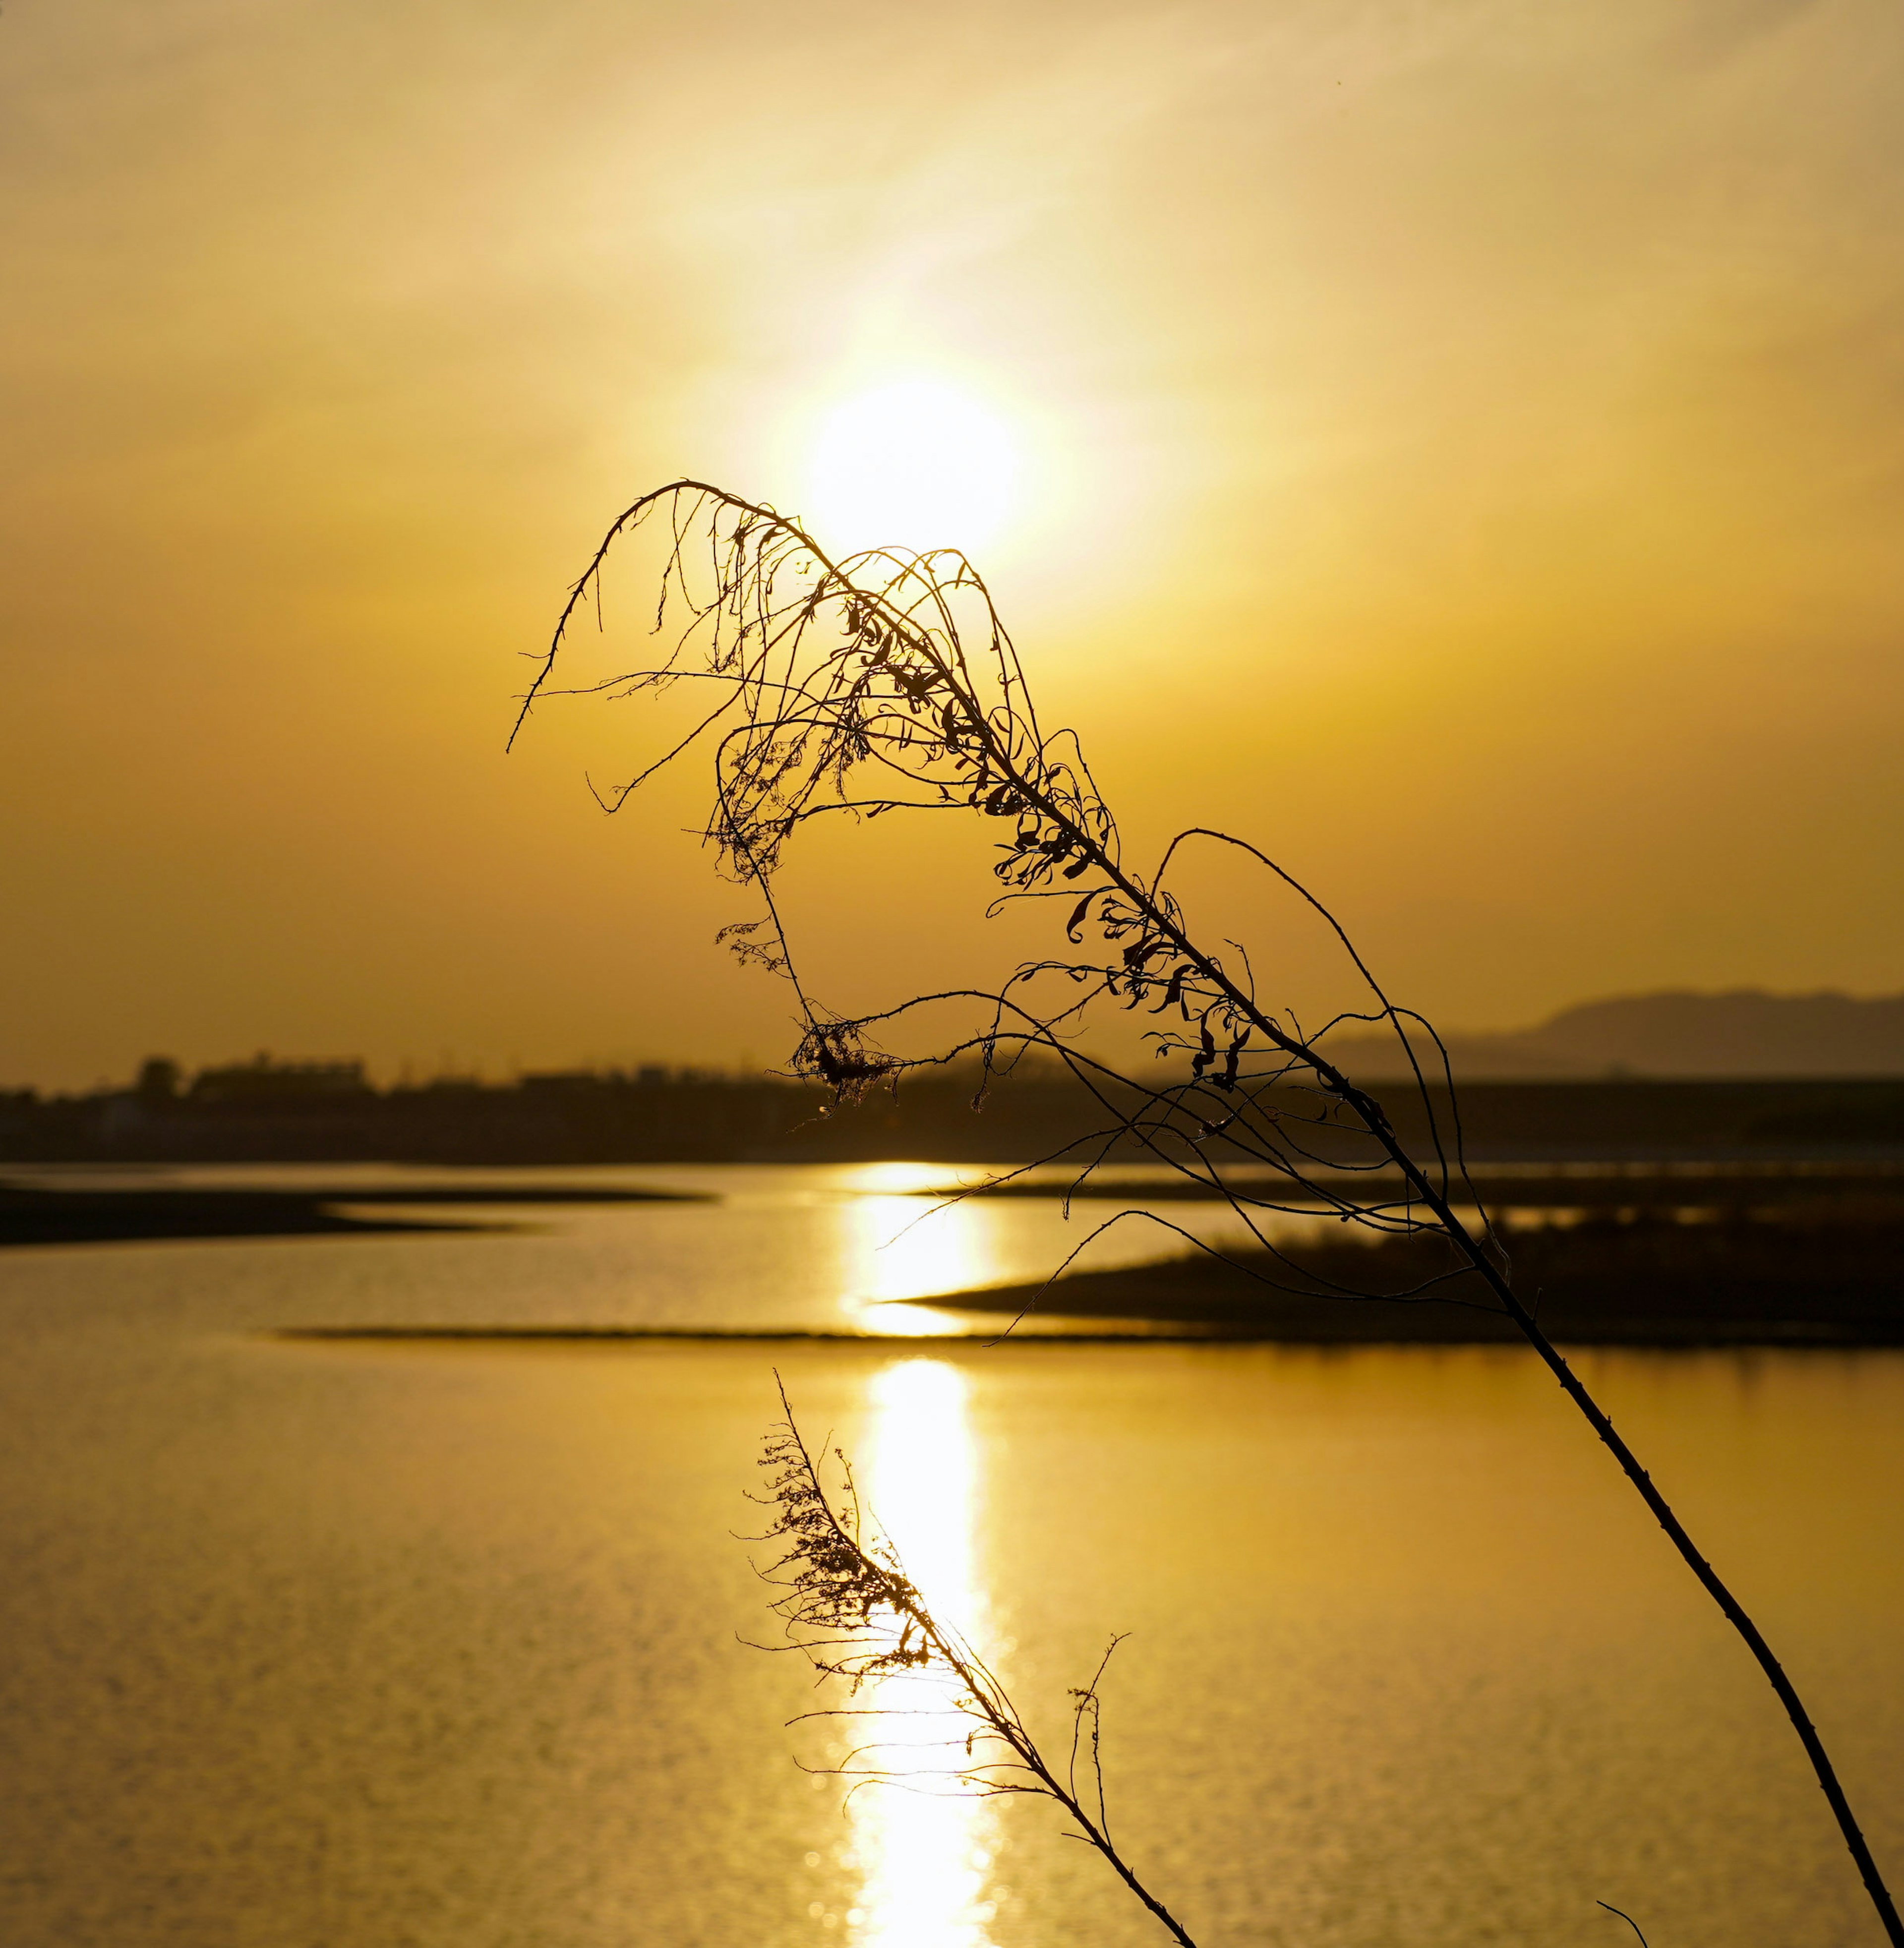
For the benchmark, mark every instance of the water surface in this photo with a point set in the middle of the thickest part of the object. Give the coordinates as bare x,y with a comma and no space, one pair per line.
358,1646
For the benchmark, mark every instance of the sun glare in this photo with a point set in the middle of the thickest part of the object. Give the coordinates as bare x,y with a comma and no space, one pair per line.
916,464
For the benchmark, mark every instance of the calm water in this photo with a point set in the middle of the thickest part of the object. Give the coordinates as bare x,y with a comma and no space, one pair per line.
309,1646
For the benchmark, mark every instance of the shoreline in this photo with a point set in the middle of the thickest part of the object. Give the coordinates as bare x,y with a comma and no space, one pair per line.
1817,1278
31,1215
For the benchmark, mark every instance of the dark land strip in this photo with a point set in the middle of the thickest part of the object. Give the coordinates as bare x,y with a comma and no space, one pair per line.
720,1335
31,1215
330,1113
1628,1188
1646,1281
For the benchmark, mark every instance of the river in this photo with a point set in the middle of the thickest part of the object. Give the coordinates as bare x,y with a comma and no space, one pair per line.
312,1644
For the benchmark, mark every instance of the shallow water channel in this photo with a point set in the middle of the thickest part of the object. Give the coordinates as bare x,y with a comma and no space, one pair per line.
342,1645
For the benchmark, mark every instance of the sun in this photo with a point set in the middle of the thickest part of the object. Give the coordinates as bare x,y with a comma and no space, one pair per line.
916,464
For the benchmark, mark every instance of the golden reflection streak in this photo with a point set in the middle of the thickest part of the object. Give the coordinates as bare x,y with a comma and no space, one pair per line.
925,1853
902,1247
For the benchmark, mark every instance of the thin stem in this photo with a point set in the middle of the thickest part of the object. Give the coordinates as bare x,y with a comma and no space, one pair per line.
1369,1113
1033,1760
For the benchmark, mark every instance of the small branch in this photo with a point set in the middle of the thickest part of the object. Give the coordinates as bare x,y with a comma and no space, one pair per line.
848,1606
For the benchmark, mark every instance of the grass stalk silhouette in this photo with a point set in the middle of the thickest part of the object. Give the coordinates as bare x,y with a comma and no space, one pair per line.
848,1605
886,682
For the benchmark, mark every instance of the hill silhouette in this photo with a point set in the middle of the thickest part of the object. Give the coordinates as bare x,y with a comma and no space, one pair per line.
1677,1032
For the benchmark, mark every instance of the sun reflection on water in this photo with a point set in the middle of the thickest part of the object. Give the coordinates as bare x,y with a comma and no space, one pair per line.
925,1850
910,1248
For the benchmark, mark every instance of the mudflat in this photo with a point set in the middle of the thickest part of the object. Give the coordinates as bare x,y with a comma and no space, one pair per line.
32,1214
1637,1280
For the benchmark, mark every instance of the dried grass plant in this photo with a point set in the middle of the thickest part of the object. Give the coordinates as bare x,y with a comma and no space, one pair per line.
886,682
848,1606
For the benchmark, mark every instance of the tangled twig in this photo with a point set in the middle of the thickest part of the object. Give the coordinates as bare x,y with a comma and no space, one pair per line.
848,1605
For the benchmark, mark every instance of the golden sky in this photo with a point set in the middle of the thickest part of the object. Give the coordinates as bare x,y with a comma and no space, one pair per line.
1459,445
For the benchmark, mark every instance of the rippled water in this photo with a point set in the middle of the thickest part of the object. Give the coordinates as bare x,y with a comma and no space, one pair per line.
366,1645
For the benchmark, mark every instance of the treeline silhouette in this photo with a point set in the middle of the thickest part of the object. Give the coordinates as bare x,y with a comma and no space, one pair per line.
267,1111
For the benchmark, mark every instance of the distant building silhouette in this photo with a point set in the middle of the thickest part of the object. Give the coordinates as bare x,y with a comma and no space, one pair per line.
262,1081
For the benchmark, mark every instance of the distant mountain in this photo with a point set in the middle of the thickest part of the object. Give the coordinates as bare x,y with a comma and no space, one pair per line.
1747,1032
